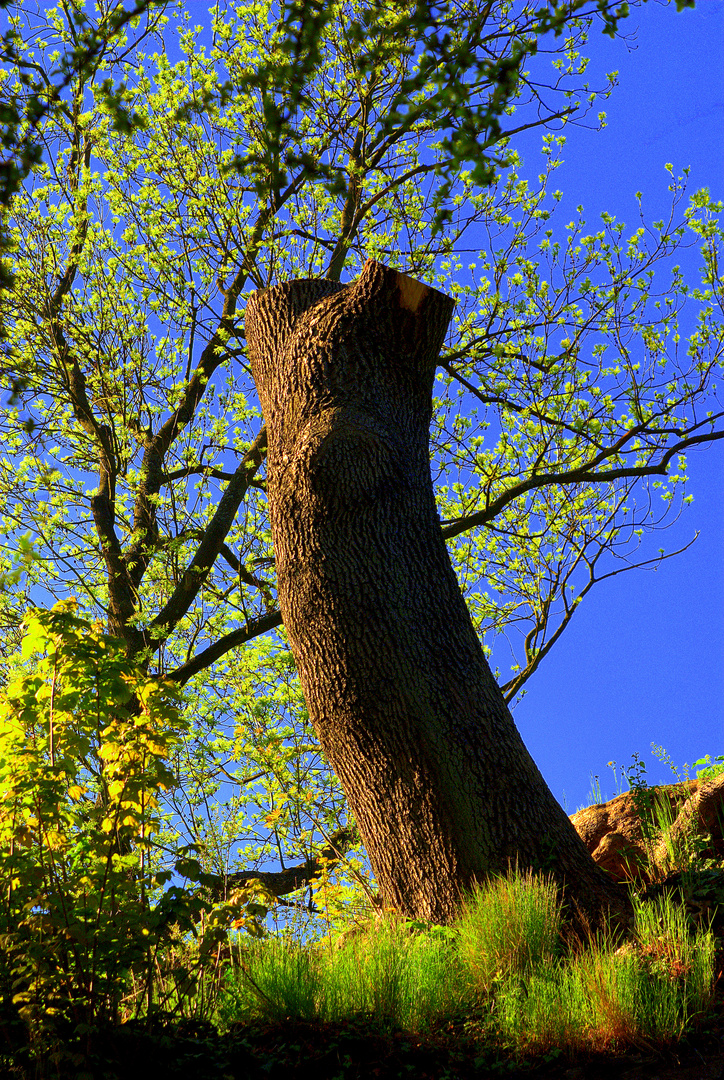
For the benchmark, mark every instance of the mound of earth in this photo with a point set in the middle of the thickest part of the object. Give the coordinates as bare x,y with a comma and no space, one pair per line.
624,835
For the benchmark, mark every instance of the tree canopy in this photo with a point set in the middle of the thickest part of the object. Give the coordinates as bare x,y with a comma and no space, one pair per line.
265,148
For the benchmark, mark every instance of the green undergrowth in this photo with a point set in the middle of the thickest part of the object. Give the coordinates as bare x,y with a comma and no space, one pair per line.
115,944
505,974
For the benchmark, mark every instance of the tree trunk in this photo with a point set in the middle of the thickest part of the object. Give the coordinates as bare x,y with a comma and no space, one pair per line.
402,699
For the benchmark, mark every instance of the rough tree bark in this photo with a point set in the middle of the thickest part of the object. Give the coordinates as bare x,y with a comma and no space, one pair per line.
402,699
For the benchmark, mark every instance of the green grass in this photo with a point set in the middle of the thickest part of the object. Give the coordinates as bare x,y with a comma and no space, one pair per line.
503,972
390,976
650,989
509,929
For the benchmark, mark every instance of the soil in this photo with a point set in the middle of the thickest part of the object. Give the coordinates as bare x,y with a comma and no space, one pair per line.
355,1051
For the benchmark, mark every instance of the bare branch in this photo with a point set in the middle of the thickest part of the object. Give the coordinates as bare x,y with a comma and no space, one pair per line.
513,686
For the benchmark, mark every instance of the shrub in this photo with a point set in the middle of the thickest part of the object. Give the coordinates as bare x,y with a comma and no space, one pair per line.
84,738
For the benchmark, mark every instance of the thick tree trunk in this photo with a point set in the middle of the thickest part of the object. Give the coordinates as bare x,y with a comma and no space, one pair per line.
402,699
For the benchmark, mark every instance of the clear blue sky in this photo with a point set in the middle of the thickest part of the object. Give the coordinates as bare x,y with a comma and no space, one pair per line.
643,659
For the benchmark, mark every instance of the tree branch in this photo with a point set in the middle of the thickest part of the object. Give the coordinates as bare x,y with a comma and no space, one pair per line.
144,523
511,688
196,470
246,575
214,535
582,475
283,882
214,652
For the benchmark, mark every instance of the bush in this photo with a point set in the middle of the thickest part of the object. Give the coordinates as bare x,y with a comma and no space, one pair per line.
84,738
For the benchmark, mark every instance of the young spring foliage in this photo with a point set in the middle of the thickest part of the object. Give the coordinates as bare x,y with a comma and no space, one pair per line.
134,456
85,739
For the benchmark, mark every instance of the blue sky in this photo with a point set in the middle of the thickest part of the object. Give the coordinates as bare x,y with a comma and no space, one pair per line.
643,659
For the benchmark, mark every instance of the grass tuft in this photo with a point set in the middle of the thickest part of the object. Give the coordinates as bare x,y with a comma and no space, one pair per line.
509,927
502,971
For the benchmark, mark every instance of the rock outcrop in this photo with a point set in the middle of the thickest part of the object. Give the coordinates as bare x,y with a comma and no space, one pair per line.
632,849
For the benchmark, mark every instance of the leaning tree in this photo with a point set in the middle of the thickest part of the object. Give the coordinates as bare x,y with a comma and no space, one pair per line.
404,703
135,454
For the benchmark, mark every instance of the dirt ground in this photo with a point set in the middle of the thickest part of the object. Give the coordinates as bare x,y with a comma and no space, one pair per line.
306,1051
355,1050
